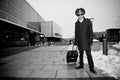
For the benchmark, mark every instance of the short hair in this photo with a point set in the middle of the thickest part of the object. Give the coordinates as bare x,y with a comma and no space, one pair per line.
79,9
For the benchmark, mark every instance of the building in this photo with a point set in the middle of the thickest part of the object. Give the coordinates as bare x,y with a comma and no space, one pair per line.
113,34
51,30
17,23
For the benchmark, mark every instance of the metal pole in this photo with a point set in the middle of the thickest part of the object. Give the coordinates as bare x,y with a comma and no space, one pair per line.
105,46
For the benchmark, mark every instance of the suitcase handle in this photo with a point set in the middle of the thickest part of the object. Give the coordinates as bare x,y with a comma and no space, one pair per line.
73,47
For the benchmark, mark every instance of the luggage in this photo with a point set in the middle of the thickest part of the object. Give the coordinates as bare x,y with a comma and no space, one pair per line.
72,55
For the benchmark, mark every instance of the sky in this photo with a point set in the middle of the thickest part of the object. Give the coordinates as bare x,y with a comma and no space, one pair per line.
105,13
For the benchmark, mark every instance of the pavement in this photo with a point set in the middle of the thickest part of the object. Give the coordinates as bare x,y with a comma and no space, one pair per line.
47,63
15,50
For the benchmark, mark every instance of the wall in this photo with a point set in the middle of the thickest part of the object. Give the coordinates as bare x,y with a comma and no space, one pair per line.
19,12
51,29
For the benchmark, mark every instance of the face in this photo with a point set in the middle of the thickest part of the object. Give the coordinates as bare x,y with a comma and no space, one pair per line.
80,15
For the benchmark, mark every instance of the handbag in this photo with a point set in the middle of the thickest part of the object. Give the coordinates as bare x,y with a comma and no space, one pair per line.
72,55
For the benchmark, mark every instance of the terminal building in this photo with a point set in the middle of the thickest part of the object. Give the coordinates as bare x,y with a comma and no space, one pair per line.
51,30
20,24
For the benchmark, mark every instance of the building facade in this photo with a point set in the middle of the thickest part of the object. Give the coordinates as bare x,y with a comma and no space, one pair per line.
18,23
51,30
113,35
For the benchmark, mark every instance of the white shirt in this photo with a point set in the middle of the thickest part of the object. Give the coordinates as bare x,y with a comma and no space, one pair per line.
81,20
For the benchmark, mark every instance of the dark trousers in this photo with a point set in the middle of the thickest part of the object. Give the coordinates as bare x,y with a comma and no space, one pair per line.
89,58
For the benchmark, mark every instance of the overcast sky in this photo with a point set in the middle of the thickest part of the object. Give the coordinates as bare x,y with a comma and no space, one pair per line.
106,13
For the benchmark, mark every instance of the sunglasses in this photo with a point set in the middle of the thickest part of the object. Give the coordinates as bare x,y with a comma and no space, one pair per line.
79,14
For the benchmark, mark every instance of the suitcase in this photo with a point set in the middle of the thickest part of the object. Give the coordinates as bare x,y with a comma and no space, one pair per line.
72,55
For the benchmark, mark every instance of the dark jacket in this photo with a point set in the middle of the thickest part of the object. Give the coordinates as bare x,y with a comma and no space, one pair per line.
83,34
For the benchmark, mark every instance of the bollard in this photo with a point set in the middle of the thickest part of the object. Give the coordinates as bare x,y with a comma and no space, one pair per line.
105,46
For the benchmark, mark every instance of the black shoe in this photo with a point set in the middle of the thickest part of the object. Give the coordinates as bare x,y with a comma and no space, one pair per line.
79,67
93,71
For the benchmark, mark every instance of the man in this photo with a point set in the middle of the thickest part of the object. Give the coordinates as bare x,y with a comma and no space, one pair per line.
84,38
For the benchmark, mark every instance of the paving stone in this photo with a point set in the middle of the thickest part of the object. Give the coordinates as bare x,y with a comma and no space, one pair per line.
43,74
59,62
60,79
53,67
95,75
21,73
21,61
72,74
10,66
33,67
47,62
70,66
6,73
